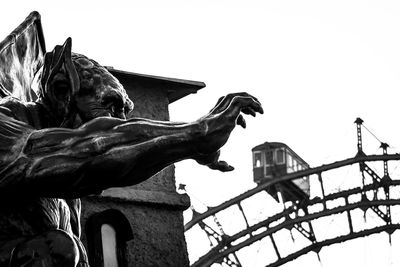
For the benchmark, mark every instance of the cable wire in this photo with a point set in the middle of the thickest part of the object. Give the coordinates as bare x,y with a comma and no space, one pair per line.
365,127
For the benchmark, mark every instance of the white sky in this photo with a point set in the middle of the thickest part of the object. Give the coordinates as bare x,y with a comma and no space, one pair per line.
314,65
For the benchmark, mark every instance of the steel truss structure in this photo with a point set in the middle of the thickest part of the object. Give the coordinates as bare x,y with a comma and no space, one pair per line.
373,195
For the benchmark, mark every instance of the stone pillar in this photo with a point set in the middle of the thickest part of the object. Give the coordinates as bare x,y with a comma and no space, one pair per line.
153,208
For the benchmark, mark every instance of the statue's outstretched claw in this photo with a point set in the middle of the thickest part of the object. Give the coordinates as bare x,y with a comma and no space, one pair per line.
74,140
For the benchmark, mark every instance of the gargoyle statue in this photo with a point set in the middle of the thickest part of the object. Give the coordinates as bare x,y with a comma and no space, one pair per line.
66,139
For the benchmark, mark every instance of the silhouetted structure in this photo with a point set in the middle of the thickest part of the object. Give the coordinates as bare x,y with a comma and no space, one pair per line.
275,172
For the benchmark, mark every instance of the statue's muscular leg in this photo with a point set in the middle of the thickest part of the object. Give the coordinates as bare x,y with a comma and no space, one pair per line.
53,248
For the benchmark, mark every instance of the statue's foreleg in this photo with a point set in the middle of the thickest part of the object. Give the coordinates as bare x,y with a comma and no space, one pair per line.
107,152
104,153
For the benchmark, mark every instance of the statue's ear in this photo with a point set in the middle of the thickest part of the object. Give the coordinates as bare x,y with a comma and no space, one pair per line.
59,79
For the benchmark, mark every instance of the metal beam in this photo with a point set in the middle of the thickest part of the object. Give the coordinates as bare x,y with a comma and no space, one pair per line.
318,245
292,176
219,252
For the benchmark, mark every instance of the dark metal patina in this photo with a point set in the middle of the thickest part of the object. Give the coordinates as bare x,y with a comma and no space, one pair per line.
73,139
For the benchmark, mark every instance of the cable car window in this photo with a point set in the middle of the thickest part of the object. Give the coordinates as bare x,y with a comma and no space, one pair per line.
109,244
280,156
289,162
257,159
268,157
289,159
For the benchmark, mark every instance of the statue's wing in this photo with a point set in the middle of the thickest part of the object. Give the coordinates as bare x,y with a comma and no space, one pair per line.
21,56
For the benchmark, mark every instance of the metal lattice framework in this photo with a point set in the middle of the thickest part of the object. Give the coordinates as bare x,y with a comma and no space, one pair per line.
372,195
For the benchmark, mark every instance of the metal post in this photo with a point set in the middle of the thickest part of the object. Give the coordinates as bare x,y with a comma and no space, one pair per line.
275,247
385,180
349,216
359,122
244,216
322,189
384,147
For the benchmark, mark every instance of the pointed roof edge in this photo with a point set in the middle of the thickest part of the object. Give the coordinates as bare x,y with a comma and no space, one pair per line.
176,88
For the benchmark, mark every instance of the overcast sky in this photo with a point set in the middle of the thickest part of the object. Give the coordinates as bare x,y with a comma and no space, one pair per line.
314,65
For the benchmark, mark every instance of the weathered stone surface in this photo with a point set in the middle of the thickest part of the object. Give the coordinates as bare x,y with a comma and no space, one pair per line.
153,207
151,102
158,234
171,200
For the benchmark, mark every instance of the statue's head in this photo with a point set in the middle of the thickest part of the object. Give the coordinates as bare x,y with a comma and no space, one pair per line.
77,89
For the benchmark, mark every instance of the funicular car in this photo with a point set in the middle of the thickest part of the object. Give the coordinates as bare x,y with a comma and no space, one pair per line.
272,160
